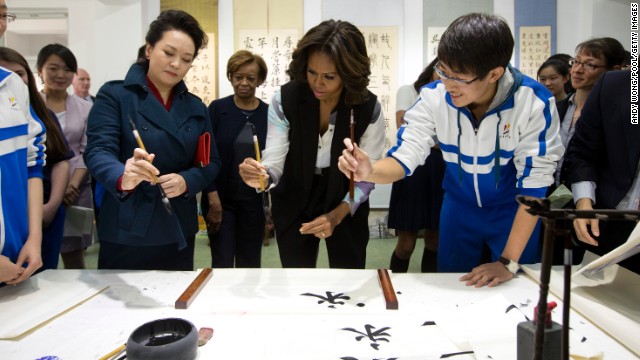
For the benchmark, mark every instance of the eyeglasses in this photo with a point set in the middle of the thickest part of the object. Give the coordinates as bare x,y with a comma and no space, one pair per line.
8,17
444,76
591,67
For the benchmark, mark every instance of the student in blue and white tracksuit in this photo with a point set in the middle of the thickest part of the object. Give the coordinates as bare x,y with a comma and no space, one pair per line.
498,131
22,156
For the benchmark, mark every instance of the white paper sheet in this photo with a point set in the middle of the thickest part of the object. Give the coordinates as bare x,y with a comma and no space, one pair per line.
596,268
40,299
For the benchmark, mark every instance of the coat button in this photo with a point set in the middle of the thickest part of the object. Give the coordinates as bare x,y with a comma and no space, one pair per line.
145,127
188,128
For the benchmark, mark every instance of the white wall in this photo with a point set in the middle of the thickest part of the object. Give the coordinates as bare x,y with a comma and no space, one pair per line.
104,35
612,19
580,20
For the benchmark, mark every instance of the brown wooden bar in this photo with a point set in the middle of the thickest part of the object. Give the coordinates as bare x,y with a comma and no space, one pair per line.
390,298
194,288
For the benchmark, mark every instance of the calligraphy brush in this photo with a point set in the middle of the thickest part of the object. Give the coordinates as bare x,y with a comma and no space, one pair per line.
352,125
265,199
115,352
165,199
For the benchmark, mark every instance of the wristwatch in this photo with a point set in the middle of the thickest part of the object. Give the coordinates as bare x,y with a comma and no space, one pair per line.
512,266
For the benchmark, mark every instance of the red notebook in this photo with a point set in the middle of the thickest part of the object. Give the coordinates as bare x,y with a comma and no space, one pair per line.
203,151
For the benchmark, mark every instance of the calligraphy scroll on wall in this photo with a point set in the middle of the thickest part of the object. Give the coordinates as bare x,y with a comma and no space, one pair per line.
535,48
434,33
275,47
201,78
382,48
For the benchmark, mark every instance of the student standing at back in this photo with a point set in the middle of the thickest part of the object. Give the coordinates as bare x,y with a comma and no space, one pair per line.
416,201
498,131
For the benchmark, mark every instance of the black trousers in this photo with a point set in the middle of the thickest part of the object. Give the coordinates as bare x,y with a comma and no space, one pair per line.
159,257
346,247
239,241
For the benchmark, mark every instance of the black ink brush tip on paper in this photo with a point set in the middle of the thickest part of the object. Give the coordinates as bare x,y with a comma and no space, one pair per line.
163,195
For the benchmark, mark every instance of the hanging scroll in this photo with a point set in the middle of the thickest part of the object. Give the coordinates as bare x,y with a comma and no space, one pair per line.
201,78
535,48
275,47
382,48
433,40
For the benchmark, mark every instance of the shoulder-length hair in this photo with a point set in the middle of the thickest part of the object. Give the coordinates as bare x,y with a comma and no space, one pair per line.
345,44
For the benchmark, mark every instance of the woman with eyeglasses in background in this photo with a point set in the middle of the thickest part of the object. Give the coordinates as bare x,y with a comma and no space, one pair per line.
593,58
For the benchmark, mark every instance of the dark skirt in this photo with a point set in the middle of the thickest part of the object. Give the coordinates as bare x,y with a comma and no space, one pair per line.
416,200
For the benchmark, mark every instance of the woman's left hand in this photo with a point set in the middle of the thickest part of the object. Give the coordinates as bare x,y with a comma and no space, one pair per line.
71,195
322,226
173,185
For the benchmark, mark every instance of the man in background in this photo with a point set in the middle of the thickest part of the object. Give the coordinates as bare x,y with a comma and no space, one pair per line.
5,17
82,84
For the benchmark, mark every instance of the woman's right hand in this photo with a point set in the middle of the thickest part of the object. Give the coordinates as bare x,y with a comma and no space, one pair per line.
214,215
250,171
137,169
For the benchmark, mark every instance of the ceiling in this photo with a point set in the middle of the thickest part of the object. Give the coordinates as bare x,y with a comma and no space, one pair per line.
36,21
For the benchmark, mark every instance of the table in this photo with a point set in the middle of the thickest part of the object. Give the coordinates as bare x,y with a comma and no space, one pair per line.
294,314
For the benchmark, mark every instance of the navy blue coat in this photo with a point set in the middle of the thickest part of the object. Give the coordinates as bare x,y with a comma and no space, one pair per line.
138,218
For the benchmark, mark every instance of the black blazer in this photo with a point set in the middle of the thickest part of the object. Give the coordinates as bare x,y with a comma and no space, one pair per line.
605,147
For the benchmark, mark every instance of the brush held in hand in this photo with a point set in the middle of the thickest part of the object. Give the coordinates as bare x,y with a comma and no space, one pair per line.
165,199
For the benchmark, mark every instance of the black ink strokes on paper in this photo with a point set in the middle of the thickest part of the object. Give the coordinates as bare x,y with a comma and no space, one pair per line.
332,299
375,336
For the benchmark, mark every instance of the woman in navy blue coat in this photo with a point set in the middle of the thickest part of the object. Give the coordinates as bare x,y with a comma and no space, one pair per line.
136,231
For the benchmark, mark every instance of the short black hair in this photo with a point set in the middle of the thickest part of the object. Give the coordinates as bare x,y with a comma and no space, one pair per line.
476,43
627,58
346,46
175,20
426,76
560,56
56,49
609,48
560,66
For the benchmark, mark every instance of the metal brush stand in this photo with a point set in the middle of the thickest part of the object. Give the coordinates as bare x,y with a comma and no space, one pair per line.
541,207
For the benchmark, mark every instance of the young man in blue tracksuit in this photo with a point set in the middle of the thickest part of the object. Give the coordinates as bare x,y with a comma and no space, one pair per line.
498,131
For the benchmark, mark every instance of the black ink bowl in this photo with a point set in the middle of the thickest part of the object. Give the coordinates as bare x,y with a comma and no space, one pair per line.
163,339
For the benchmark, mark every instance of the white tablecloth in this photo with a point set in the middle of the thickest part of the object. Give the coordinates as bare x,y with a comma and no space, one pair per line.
298,314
